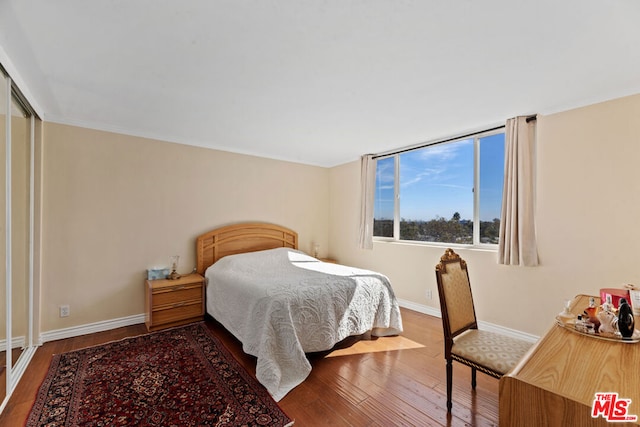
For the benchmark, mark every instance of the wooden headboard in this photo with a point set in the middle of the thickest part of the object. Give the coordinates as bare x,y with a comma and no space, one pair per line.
241,238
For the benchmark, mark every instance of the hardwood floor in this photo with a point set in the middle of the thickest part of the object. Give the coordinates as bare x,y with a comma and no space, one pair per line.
392,381
15,353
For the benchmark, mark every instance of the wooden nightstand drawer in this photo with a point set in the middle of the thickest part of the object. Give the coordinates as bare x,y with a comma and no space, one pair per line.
174,302
177,312
177,294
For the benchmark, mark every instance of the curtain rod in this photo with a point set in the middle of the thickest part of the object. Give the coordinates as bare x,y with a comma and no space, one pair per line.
404,150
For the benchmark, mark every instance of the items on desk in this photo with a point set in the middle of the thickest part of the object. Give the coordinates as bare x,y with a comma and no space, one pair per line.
608,318
608,321
591,314
613,319
614,316
617,294
583,324
608,305
626,322
566,315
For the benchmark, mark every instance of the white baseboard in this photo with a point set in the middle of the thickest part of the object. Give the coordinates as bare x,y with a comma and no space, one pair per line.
420,308
507,331
21,366
74,331
431,311
16,342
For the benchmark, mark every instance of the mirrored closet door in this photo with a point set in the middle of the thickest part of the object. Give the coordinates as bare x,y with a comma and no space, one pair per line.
3,235
16,232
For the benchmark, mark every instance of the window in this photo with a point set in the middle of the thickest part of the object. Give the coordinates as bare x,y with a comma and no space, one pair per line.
449,192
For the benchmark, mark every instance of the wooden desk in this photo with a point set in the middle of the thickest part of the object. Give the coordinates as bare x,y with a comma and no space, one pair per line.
556,382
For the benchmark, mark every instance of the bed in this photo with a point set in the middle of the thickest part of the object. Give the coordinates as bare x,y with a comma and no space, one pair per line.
281,303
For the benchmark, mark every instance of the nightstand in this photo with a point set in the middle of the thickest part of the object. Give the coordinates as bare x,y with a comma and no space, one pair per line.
174,302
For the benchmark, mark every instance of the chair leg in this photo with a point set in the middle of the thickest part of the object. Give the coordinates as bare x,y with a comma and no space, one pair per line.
473,378
449,384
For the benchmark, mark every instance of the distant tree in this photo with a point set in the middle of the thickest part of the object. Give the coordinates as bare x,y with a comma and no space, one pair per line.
383,227
410,230
490,231
439,229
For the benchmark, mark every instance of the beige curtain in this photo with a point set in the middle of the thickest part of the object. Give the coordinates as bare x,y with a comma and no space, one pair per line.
367,186
517,245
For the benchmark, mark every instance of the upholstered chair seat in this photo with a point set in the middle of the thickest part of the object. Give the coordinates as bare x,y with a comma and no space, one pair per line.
489,351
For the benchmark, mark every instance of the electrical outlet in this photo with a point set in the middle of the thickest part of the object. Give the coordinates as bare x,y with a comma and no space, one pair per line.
64,310
429,294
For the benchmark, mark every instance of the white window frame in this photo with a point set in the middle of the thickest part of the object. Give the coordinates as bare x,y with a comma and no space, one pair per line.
477,136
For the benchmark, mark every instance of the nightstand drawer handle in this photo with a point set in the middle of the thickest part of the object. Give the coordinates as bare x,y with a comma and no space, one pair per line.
177,288
179,304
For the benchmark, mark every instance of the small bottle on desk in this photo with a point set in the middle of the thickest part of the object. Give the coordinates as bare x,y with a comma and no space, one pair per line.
591,312
584,325
626,321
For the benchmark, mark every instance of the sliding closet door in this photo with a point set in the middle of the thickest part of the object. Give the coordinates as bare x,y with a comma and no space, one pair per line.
20,174
17,124
3,283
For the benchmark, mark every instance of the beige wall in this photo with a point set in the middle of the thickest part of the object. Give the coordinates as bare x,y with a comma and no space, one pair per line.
115,205
588,207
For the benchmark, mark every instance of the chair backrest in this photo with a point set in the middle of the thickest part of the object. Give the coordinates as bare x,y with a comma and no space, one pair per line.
456,301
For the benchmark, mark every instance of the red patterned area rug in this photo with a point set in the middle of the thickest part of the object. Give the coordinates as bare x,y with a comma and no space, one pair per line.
178,377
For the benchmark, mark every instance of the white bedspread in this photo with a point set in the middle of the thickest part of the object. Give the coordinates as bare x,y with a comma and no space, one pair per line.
281,304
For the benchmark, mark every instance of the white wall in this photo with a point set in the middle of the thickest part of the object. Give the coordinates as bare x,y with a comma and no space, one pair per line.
588,204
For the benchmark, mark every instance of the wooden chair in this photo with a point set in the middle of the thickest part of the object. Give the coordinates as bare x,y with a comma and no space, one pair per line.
491,353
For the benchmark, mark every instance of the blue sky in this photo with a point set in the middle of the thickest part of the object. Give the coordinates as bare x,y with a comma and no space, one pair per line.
438,181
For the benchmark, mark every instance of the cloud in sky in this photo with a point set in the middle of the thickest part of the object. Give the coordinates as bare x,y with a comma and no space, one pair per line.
438,180
433,163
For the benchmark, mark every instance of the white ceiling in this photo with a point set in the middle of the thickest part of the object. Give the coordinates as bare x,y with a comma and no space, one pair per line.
315,81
